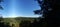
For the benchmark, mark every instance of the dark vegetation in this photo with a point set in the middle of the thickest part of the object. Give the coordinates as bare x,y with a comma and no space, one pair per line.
50,10
22,22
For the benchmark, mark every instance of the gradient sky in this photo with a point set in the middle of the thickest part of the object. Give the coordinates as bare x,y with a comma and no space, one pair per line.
14,8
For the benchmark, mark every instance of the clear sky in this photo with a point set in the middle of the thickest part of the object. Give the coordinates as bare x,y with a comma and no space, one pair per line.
14,8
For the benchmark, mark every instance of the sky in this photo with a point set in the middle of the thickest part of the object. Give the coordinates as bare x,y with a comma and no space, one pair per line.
14,8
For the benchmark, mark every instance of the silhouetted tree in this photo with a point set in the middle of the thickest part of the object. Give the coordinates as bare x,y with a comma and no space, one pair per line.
51,12
52,17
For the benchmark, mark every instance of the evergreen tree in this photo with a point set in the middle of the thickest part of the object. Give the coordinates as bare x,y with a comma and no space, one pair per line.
51,12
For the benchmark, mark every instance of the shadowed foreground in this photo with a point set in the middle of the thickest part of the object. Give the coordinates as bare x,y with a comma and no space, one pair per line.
22,22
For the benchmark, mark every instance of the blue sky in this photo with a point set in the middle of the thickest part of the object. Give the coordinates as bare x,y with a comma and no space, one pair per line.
13,8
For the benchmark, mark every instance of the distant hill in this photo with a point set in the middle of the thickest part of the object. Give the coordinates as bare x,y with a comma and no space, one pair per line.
18,19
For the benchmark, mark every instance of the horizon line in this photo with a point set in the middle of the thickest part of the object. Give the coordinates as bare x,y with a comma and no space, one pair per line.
21,16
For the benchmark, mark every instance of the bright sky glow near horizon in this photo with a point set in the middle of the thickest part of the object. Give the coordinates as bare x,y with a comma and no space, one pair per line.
14,8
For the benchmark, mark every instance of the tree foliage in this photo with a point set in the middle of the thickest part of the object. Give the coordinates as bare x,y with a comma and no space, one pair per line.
51,12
